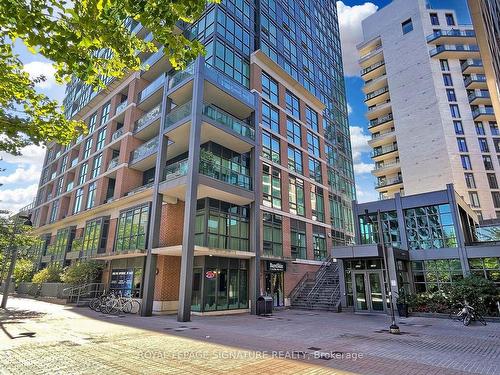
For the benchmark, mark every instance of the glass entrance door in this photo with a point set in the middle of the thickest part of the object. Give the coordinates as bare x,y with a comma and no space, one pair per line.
376,294
369,294
274,287
360,295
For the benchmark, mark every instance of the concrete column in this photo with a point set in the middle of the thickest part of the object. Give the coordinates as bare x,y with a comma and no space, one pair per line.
343,292
155,217
187,259
401,221
462,252
392,272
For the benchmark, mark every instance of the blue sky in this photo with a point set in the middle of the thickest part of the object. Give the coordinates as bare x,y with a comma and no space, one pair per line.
21,175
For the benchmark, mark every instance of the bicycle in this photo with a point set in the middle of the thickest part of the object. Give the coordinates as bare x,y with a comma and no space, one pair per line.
466,314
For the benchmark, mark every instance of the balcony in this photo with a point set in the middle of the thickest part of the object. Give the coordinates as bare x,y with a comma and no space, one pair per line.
113,163
479,98
229,176
180,76
375,83
452,37
472,66
139,189
225,119
389,182
483,114
453,51
152,94
156,63
177,114
379,121
386,168
117,134
372,57
377,96
475,81
147,126
382,137
384,150
365,73
121,107
144,157
379,110
176,170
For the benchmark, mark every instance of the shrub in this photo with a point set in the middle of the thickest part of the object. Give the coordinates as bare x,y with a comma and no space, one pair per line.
23,271
51,274
80,273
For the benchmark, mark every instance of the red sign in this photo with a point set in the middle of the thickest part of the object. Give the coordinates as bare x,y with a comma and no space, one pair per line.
210,274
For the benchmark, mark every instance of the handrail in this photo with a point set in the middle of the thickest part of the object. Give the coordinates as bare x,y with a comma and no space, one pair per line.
295,291
320,275
78,291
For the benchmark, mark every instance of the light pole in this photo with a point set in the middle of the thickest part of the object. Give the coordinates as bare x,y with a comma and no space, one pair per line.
13,249
394,328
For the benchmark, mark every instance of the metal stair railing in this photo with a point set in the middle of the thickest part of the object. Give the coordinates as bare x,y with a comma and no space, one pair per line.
87,290
308,276
320,275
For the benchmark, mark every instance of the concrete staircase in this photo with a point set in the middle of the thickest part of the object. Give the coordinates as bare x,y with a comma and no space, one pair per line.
318,290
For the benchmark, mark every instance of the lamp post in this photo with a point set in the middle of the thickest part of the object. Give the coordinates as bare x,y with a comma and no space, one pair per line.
13,249
394,328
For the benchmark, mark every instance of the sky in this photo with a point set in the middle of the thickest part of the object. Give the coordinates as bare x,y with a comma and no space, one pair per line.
21,175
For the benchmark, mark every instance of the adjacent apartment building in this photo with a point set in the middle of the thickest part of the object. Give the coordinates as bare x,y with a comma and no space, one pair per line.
204,188
430,110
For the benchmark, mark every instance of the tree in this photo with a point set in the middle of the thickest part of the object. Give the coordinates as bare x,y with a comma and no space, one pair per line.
50,274
81,273
88,40
24,270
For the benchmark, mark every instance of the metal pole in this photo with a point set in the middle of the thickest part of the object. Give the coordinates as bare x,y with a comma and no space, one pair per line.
12,264
394,327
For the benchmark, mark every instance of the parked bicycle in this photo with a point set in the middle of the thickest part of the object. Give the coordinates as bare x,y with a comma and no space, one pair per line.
115,303
466,313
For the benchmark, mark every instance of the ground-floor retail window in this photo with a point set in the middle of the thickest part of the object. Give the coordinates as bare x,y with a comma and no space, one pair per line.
219,284
274,276
488,268
126,276
366,289
432,275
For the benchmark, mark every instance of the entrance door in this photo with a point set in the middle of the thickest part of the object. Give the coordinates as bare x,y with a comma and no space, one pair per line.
369,294
274,287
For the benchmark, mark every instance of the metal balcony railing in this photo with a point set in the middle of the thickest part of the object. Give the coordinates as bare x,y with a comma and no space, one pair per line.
121,107
372,67
145,150
147,118
113,163
452,33
454,48
388,182
117,134
384,150
376,93
224,118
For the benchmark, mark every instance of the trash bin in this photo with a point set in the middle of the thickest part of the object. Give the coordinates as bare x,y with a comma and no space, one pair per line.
264,305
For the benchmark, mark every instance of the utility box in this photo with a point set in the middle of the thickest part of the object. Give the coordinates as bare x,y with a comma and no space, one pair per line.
264,305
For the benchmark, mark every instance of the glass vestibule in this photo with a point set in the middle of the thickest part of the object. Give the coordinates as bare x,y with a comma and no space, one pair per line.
219,284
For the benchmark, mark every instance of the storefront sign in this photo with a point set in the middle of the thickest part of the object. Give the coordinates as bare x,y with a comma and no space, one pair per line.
122,280
276,266
210,274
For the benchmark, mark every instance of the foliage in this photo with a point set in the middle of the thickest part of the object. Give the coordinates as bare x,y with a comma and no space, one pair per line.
80,273
402,296
23,271
50,274
21,238
86,39
479,292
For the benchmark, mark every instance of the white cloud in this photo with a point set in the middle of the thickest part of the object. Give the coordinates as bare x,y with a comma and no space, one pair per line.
37,69
30,155
362,168
351,33
359,142
366,194
21,174
14,199
349,109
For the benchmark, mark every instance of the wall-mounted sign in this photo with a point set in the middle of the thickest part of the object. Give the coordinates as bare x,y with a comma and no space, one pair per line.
210,274
122,280
275,266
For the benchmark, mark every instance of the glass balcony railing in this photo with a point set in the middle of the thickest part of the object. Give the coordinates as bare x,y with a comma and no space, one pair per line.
180,76
376,93
146,119
113,163
224,174
474,78
176,170
229,121
117,134
452,33
472,63
380,120
386,165
177,114
388,182
381,134
384,150
371,53
372,67
121,107
234,88
153,59
483,111
74,162
454,48
479,95
152,87
373,108
145,150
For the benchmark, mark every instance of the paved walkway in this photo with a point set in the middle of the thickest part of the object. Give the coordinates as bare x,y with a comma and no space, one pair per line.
42,338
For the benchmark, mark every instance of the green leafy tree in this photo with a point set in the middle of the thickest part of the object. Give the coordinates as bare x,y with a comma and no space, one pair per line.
50,274
81,273
24,270
74,34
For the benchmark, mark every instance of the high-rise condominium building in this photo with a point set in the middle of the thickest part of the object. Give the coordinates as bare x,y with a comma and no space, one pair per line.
204,188
429,108
485,15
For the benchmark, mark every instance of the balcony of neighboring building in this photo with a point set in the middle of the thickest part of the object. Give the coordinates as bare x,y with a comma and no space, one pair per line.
382,138
373,71
471,66
375,97
389,184
368,45
453,36
479,97
371,57
375,84
388,167
379,110
475,81
483,113
382,153
455,51
381,123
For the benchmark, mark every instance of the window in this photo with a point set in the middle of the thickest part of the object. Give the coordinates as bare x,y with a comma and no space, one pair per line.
466,164
270,117
64,163
492,180
88,148
53,211
96,169
474,199
296,196
434,19
488,268
455,111
451,95
91,195
479,128
105,113
494,128
92,122
101,139
488,164
496,143
227,60
78,201
293,132
83,173
450,20
313,144
315,170
292,104
319,243
60,183
407,26
271,186
271,147
483,145
298,239
94,236
459,129
433,275
445,67
132,228
269,88
470,181
295,160
317,203
272,242
447,80
311,119
495,195
462,145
